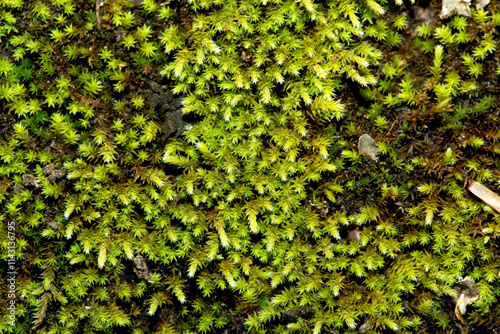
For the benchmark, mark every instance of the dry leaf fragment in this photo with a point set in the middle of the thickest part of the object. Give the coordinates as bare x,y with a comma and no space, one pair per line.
425,15
246,57
30,180
485,194
354,234
468,294
367,146
58,173
49,169
451,7
324,209
53,225
365,327
482,3
141,268
136,2
52,173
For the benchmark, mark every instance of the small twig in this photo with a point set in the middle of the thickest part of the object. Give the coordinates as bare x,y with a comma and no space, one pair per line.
98,5
486,195
174,204
393,123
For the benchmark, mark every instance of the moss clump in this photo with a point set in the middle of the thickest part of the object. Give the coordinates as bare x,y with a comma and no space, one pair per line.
193,167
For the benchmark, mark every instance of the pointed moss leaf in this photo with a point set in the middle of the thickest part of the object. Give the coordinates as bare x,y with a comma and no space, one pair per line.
101,260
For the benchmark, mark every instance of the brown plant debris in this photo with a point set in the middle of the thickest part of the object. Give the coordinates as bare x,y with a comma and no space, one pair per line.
368,146
52,173
354,234
324,209
424,15
30,180
141,268
468,294
482,3
452,7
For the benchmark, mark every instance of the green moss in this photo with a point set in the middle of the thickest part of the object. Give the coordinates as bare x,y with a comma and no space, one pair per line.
254,211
